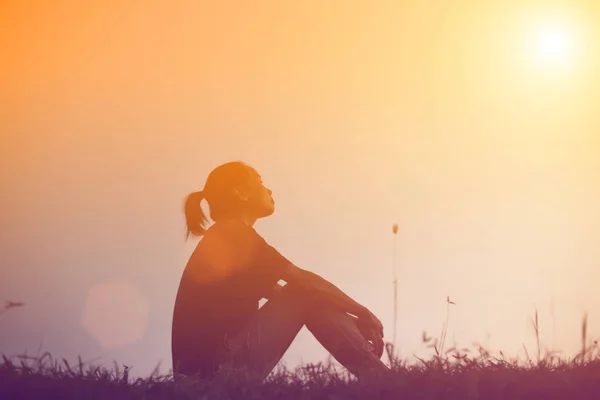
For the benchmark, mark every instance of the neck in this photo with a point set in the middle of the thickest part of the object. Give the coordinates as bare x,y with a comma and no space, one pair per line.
244,219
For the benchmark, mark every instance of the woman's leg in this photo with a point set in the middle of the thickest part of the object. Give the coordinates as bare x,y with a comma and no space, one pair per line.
338,333
268,335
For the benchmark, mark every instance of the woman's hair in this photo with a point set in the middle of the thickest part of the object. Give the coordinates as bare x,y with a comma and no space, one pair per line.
219,192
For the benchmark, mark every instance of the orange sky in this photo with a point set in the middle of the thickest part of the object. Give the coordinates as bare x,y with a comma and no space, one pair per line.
433,115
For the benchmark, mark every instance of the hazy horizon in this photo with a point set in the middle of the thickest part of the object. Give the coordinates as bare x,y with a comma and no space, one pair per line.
448,119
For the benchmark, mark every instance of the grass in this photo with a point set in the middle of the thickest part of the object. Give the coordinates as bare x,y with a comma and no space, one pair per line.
449,374
459,376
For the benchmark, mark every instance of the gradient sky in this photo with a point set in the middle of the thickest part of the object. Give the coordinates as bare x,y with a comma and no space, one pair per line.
441,116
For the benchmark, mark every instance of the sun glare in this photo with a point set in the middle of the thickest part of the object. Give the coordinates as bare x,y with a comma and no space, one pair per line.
553,46
553,42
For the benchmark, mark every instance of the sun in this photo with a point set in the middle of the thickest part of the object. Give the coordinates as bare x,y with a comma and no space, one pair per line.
553,42
553,45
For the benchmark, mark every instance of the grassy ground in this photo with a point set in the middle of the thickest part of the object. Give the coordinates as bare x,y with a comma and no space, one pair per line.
452,375
449,374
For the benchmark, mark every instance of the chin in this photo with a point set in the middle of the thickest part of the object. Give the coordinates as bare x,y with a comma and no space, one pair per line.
268,211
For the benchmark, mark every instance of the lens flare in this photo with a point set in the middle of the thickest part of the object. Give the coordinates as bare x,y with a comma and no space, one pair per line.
115,313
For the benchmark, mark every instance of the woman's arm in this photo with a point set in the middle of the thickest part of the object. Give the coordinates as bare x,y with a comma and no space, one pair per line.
322,288
272,263
273,292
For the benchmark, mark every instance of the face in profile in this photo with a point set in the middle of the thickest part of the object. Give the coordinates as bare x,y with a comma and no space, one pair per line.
260,197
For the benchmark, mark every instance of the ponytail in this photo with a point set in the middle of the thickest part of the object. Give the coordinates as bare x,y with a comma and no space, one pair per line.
194,216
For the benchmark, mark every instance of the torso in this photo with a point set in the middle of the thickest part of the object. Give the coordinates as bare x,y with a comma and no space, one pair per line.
219,292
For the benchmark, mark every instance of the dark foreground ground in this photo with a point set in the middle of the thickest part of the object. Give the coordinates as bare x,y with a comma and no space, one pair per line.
456,376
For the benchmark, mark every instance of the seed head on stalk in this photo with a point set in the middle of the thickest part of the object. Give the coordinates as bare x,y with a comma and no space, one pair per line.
395,231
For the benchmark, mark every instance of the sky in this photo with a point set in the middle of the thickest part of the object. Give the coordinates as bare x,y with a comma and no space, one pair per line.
473,125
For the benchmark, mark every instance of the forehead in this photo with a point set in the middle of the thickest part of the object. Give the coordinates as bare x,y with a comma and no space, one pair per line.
253,174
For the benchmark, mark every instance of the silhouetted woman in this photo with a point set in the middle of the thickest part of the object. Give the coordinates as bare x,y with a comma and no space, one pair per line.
217,321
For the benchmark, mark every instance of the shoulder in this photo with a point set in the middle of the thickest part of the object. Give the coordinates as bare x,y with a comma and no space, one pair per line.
230,243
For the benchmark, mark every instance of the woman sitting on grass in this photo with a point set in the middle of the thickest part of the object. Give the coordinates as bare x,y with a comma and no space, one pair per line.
217,321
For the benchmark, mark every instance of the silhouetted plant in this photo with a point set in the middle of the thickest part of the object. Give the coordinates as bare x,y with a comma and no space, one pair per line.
11,304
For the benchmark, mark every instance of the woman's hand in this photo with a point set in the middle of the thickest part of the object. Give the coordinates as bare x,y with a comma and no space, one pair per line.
372,329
